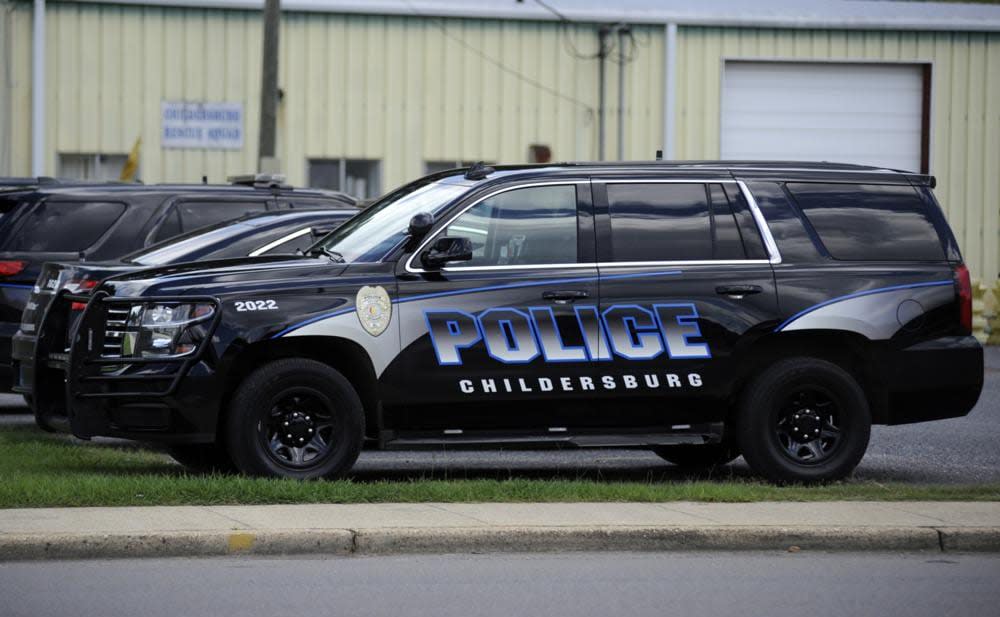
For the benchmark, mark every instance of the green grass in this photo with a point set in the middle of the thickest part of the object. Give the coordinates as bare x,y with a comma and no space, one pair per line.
39,470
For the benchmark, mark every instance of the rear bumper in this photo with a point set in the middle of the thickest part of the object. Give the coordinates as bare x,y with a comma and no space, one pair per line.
933,380
7,373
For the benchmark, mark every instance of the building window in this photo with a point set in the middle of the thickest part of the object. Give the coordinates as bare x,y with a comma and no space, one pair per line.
96,167
432,167
357,177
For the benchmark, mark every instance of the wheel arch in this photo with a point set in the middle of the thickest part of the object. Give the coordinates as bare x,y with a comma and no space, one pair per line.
341,354
853,352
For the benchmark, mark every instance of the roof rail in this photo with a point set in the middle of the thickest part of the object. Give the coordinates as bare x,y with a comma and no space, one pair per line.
261,181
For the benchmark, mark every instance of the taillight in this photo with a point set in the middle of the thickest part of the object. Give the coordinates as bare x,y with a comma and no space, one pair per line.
11,268
77,285
963,287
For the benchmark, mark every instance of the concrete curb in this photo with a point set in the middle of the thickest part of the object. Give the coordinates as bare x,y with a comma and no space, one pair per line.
409,540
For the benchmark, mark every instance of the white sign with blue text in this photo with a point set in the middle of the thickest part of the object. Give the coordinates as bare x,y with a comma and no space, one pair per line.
217,126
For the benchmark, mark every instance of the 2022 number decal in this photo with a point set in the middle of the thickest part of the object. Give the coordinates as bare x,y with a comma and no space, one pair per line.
255,305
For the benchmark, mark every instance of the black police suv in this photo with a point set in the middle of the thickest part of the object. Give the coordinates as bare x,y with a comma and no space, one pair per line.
701,310
65,221
280,232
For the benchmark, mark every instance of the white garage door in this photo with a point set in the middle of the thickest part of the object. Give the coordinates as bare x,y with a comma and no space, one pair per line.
870,114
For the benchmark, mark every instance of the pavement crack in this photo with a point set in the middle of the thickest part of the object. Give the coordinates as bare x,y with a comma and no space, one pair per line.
454,513
228,517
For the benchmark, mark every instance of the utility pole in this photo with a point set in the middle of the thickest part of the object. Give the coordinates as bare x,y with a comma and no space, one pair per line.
602,57
267,162
623,33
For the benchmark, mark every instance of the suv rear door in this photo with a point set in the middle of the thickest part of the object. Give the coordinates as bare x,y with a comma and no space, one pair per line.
685,281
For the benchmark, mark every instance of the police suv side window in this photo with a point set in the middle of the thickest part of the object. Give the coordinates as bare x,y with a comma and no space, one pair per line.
660,222
869,222
529,226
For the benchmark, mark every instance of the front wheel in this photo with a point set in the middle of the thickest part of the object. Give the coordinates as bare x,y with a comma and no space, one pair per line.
804,420
295,418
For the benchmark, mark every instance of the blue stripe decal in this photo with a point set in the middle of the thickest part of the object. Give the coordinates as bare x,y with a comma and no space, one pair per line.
858,295
313,320
17,286
472,290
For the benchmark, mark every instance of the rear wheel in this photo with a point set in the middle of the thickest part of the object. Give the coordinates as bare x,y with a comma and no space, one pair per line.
804,420
295,418
699,457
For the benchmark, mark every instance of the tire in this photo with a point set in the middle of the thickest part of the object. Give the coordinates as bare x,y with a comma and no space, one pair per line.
43,423
295,418
202,457
804,420
705,456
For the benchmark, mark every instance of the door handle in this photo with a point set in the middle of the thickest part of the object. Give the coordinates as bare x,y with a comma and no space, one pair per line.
564,297
738,291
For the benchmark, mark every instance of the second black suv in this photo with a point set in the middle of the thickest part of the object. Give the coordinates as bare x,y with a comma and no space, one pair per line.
701,310
58,221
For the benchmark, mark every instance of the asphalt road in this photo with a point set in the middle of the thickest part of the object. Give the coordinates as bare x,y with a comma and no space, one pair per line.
961,450
578,584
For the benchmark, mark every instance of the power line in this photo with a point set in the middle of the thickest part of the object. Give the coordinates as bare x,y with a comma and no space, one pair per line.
499,64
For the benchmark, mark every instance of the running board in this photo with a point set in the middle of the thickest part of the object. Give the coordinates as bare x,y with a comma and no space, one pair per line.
680,434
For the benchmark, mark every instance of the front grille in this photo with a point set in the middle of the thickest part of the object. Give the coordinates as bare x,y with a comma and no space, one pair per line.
114,333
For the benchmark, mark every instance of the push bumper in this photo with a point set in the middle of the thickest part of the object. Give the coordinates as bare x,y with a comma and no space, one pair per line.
933,380
148,399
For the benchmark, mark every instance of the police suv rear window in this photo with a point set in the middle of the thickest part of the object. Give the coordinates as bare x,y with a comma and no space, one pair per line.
64,226
869,222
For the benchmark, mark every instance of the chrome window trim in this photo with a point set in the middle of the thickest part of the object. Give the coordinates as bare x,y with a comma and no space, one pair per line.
270,245
409,262
693,262
762,227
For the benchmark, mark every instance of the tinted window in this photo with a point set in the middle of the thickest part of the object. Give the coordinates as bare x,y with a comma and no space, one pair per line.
530,226
726,234
170,227
55,226
753,244
869,222
196,214
659,222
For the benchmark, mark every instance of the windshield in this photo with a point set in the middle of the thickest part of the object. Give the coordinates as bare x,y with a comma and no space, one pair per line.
370,236
176,249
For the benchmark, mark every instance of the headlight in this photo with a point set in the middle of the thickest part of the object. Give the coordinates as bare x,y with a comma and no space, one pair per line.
163,330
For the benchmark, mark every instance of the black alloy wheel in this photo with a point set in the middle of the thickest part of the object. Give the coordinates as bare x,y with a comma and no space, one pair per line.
300,429
808,425
295,418
803,420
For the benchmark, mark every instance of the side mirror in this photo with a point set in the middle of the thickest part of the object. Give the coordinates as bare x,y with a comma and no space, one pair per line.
446,249
420,224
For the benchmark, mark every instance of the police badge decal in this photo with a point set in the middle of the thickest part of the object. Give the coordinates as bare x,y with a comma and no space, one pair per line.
374,309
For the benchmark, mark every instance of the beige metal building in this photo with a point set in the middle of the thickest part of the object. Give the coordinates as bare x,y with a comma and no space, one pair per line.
378,92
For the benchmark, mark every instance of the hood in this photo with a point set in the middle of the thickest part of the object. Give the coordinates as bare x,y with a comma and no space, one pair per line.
225,276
